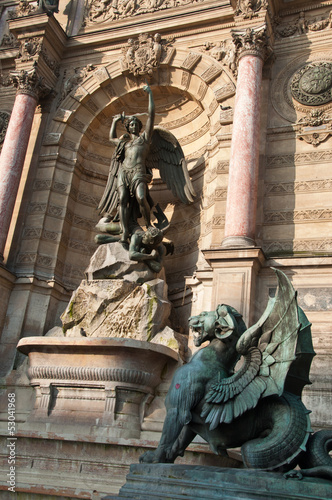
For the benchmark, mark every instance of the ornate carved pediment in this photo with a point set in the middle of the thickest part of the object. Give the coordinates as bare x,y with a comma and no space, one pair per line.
143,56
29,48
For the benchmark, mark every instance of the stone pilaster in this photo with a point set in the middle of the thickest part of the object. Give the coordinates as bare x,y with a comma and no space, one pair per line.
251,47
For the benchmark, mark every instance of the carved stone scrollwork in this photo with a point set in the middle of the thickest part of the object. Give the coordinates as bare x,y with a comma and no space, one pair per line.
30,83
73,78
143,56
224,52
312,84
315,127
302,25
29,48
9,41
251,41
4,120
248,9
24,8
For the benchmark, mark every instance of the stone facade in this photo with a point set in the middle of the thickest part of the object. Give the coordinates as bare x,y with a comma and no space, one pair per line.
246,89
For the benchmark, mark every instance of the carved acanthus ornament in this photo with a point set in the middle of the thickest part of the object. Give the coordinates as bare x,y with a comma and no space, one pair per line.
30,83
247,9
252,41
143,56
100,11
315,127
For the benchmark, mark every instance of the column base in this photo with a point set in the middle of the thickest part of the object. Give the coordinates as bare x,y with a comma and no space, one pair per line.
238,242
235,272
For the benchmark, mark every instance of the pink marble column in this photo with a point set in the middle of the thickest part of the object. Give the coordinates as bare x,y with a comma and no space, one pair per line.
29,88
241,205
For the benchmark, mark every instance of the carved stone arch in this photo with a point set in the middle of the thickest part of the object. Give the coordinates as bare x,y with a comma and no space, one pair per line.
187,94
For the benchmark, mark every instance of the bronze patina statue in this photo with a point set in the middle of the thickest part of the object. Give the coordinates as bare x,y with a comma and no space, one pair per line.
126,197
259,406
48,6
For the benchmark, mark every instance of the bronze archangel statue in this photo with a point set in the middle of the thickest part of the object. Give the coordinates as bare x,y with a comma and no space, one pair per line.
126,197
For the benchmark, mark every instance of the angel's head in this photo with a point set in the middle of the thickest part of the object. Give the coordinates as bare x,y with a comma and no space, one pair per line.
133,125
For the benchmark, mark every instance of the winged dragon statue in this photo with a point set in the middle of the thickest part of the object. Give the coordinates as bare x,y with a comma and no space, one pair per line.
126,197
257,408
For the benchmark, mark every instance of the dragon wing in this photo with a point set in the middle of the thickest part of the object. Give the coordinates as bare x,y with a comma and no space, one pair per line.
166,154
268,348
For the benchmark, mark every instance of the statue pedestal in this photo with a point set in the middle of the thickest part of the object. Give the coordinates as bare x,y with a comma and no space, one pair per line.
192,482
101,382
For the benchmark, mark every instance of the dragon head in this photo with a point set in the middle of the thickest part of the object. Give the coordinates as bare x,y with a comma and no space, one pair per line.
220,324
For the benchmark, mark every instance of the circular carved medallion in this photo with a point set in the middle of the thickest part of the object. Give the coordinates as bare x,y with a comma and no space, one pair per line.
312,84
4,119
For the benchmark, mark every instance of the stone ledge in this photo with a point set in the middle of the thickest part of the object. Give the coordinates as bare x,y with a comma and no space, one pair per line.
197,482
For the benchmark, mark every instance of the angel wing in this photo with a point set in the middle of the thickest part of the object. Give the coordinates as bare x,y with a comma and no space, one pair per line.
166,154
268,348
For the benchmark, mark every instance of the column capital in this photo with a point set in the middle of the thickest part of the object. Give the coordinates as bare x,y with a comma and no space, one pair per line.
29,82
251,41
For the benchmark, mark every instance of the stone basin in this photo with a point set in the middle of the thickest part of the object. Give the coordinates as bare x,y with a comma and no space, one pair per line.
95,381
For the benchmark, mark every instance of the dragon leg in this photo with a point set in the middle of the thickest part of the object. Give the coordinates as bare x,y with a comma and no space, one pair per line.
287,426
182,442
172,428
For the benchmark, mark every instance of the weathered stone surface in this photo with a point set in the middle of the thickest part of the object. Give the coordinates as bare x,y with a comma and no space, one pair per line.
172,339
111,261
56,331
191,482
117,308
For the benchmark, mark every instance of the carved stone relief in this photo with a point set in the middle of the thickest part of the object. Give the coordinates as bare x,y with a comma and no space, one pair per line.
9,41
24,8
142,56
247,9
302,24
4,120
301,85
315,127
101,11
72,78
312,84
225,52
